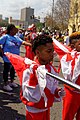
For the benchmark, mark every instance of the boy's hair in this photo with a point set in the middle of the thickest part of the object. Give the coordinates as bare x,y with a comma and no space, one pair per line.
40,40
75,35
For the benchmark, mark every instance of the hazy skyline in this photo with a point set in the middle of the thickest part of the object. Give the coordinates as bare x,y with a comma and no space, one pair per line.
13,7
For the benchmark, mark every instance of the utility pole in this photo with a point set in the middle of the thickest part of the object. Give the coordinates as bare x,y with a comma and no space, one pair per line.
52,14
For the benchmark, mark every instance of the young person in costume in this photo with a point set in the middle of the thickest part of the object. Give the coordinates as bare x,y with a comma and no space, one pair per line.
70,64
40,91
29,38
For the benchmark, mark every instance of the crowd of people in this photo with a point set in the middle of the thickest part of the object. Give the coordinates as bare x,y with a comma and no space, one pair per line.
39,91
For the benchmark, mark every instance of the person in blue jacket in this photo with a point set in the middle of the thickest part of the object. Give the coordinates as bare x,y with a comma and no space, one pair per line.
11,43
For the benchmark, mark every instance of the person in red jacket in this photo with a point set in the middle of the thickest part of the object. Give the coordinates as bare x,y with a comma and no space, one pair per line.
70,64
40,91
29,38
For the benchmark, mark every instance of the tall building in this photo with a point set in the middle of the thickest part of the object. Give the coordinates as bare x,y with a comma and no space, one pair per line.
74,20
27,14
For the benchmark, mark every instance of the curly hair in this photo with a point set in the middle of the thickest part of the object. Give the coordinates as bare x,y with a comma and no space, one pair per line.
40,40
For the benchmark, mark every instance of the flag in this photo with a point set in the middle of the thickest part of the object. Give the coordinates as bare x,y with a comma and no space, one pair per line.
69,60
18,63
60,48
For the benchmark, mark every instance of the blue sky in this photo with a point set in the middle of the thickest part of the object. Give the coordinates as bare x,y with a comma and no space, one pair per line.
13,7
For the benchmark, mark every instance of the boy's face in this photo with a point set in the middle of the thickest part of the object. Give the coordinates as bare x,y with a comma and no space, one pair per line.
45,53
76,44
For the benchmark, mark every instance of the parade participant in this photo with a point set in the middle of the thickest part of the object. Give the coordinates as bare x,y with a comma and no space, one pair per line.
29,38
11,43
70,64
39,91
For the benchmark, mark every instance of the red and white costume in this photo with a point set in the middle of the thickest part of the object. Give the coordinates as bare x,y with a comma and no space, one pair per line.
70,65
29,54
71,71
39,90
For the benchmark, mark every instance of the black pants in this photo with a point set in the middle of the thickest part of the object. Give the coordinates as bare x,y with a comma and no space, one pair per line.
8,68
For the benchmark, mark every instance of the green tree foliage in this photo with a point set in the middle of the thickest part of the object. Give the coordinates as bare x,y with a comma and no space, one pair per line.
40,25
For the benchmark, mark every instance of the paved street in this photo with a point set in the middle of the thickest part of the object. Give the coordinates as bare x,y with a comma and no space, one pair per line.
11,107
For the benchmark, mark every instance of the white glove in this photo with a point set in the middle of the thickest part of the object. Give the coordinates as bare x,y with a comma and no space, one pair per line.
41,74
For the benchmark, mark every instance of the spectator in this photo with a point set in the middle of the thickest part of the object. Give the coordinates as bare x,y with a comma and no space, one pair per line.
11,43
20,34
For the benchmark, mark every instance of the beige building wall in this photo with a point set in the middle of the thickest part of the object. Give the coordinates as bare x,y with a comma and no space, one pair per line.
74,20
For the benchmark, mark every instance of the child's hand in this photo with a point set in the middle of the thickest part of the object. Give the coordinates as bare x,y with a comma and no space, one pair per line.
61,92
